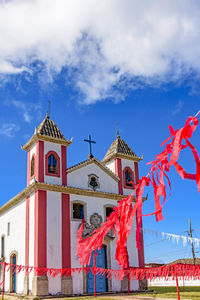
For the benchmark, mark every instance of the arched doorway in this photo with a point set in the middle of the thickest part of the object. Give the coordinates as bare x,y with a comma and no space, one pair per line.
13,262
101,282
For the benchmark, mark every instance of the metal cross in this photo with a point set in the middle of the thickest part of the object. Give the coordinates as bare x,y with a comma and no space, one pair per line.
90,145
49,103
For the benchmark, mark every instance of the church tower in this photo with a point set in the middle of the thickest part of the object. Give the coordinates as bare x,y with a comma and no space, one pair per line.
124,163
47,209
121,159
47,155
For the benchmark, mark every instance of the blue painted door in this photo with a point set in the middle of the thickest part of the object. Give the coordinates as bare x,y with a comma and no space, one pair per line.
100,280
14,274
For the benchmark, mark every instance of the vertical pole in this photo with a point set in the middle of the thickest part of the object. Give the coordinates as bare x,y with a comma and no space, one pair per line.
4,271
94,263
177,287
128,281
190,234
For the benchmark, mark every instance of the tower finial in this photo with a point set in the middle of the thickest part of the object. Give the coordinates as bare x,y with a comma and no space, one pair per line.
48,112
117,130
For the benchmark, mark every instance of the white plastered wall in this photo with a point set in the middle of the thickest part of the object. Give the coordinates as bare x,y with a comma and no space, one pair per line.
79,178
170,282
54,239
57,148
97,205
15,241
111,165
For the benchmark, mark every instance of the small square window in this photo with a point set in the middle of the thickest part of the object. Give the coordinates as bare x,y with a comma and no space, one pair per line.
78,211
8,229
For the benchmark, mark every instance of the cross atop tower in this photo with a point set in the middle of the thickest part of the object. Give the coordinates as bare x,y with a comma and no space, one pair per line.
90,145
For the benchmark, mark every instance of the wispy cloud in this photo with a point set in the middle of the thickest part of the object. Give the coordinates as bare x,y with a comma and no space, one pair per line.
178,108
102,44
27,109
9,129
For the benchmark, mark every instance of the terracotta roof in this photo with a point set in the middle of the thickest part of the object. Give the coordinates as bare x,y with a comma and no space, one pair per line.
49,128
98,163
119,148
187,261
47,131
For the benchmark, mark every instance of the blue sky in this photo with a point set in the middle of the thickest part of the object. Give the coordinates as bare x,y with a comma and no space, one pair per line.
96,72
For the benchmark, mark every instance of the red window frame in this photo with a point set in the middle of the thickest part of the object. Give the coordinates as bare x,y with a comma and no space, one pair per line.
124,178
57,174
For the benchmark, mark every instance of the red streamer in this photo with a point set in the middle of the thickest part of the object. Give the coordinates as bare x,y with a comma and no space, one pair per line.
122,217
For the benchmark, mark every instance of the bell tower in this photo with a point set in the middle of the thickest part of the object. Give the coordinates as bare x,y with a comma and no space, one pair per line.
124,163
47,155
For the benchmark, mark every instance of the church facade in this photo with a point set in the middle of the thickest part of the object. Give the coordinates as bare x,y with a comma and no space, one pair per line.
38,227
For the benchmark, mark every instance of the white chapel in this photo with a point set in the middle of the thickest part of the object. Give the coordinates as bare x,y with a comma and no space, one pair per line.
38,227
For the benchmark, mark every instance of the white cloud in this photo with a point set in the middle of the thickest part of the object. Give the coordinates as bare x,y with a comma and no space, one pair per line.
27,109
103,44
9,129
178,108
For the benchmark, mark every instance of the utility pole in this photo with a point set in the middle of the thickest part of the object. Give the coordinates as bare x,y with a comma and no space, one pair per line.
190,234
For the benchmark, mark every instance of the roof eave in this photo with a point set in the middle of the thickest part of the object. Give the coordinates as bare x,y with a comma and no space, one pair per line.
36,137
120,155
99,163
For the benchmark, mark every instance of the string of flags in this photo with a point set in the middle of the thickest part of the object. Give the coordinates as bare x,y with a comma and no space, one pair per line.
173,237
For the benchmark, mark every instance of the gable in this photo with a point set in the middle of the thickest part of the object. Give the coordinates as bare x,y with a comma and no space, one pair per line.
79,177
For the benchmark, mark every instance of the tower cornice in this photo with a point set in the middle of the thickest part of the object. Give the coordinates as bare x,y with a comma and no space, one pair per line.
38,137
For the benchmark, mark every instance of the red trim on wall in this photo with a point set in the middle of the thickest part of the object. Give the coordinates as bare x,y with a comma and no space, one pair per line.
124,178
33,155
64,165
141,250
66,236
136,172
39,170
28,168
118,172
27,236
40,233
58,164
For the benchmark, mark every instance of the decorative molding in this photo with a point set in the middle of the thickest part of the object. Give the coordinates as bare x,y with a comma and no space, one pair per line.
57,188
95,222
119,155
36,137
95,184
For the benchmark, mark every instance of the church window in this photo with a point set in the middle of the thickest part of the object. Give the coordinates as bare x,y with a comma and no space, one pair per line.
128,178
32,165
78,210
93,181
52,164
2,246
8,228
109,210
